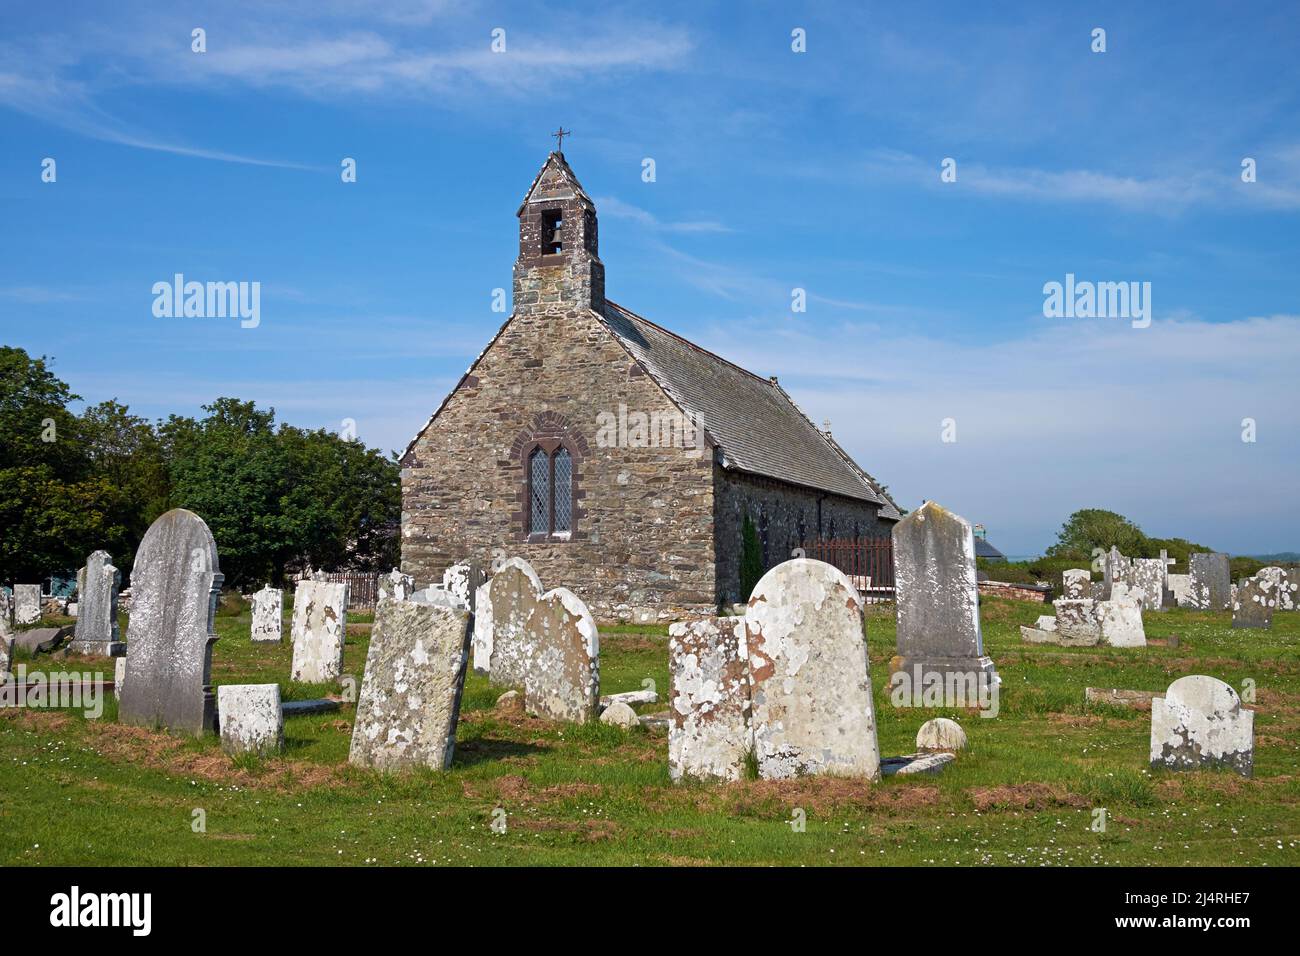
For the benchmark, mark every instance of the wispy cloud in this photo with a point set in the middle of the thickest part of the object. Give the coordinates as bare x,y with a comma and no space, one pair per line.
616,208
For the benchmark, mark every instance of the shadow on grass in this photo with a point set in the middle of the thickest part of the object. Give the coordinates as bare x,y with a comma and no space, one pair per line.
480,750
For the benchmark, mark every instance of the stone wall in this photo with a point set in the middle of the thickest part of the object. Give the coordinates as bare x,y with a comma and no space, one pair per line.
1017,592
642,534
784,516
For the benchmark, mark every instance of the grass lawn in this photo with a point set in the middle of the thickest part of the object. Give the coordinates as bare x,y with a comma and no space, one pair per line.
78,791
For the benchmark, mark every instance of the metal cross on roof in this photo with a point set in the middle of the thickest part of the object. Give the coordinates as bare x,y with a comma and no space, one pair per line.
559,135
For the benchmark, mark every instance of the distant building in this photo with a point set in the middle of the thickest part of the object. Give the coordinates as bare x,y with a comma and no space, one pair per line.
985,550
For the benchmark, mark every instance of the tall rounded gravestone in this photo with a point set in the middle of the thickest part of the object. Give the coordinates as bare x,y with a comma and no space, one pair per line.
174,585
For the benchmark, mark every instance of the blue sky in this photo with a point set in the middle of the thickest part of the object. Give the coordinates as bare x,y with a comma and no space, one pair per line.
774,170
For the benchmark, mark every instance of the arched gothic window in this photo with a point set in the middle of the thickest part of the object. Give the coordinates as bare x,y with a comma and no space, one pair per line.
550,491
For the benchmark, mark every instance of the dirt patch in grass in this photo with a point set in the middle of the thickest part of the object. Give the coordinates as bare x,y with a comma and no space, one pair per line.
1074,720
156,750
1024,796
517,790
825,795
590,830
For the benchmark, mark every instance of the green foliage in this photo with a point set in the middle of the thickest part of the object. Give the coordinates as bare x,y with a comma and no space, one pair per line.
1091,528
273,497
751,558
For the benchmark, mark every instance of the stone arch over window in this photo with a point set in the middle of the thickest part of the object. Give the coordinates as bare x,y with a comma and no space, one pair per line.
549,454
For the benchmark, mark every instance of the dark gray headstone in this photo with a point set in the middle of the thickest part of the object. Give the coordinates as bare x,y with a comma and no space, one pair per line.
175,584
937,596
97,585
1253,602
1211,586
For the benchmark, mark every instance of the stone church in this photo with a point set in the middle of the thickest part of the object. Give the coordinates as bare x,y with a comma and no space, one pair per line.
616,457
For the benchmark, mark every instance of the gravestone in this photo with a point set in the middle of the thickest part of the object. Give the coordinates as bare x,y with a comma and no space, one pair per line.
709,734
119,676
463,579
268,616
175,584
318,631
97,629
410,697
1200,723
1149,583
1076,584
502,646
27,604
937,596
562,668
1120,619
1115,568
940,733
1211,585
1253,602
6,636
812,709
1180,586
1077,619
6,616
1286,585
396,585
250,718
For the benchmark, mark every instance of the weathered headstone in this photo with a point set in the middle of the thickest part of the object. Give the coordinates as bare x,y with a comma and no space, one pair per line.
1115,568
27,604
810,684
1149,583
318,631
1120,619
1076,584
1200,723
176,582
119,676
396,586
1288,588
410,697
97,630
1253,602
562,675
463,579
940,733
1077,618
268,616
1180,586
6,616
937,596
1211,587
251,719
710,733
502,645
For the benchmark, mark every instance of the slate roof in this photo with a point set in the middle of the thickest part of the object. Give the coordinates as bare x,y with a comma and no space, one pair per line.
985,550
757,426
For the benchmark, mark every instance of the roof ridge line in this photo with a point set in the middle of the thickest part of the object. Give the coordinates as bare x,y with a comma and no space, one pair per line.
688,342
832,444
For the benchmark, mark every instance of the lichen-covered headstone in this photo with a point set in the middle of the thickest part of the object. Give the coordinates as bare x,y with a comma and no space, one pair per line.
97,628
709,731
562,679
502,644
6,629
1076,618
319,628
1180,586
940,733
1200,723
810,684
937,595
1148,583
119,676
175,585
251,719
410,697
396,585
1115,568
1286,586
1253,602
1120,619
1211,587
27,604
463,579
1076,584
268,616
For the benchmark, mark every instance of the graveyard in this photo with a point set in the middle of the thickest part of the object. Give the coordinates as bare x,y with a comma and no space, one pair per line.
1025,791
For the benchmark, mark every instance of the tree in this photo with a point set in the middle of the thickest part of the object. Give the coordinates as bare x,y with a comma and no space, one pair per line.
1091,528
53,509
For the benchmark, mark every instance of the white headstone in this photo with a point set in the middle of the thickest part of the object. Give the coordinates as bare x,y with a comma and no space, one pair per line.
251,719
502,643
812,707
709,731
27,604
396,585
940,733
463,579
318,631
1200,723
268,616
562,676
